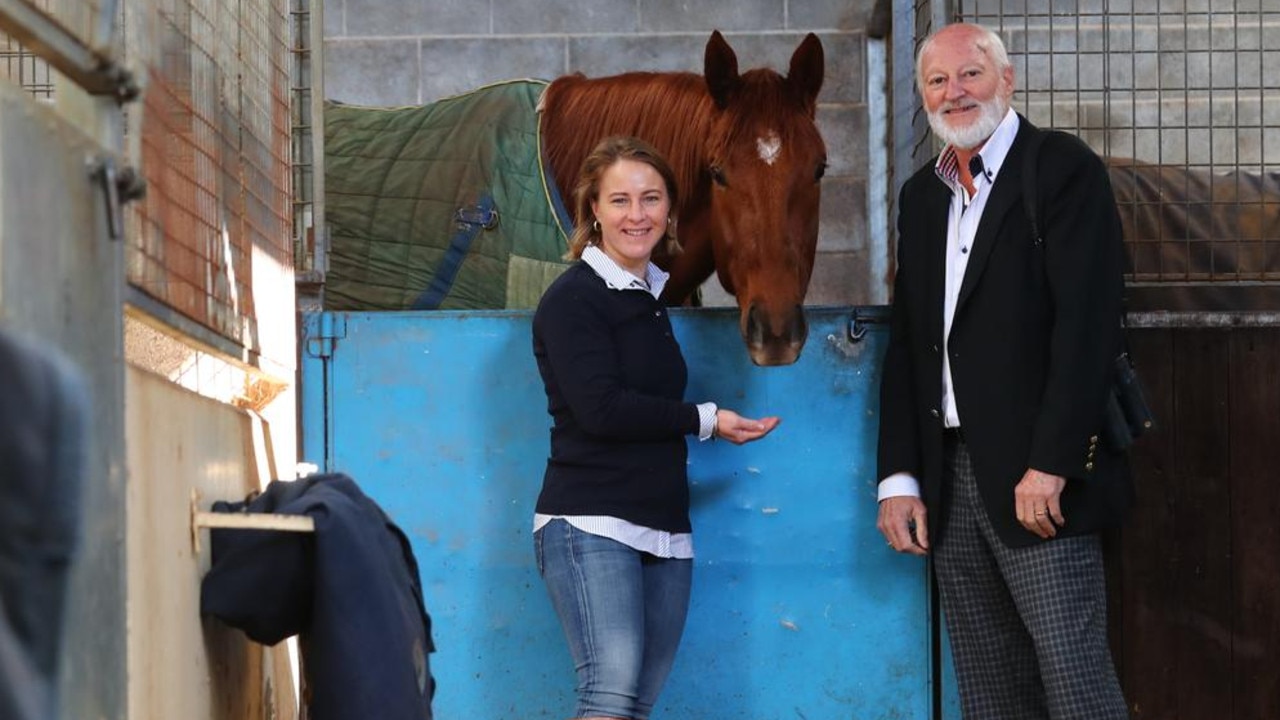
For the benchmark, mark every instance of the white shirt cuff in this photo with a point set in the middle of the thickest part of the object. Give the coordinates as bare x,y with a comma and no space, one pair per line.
706,420
898,485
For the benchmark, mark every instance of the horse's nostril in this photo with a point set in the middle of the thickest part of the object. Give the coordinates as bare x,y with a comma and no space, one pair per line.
790,328
776,343
799,327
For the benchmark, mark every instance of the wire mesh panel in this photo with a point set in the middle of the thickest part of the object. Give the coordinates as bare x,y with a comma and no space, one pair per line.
215,145
23,67
304,167
1176,95
20,66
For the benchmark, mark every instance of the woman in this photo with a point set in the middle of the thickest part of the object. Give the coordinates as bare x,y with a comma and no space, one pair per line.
611,529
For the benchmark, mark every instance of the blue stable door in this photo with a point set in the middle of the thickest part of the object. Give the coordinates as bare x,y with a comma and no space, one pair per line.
799,609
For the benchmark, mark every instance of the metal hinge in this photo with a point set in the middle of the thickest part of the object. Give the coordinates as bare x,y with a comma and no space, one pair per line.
119,187
330,327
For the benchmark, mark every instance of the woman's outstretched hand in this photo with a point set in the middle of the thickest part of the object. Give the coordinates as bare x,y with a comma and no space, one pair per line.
738,430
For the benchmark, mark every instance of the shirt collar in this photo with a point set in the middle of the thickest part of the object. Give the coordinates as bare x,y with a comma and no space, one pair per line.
993,152
617,278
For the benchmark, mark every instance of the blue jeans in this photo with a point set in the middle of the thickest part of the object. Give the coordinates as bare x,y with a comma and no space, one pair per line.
622,611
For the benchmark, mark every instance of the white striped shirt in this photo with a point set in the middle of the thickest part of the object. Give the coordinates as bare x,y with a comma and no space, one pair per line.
963,215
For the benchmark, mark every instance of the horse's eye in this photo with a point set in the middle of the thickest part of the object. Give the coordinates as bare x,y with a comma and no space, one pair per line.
820,171
717,174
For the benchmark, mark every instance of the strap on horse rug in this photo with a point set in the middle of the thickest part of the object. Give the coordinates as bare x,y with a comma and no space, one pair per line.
441,206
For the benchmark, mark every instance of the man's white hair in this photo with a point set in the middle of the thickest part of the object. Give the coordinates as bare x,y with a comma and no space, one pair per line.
988,42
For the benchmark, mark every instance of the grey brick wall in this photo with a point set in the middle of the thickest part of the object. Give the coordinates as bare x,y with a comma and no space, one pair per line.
400,52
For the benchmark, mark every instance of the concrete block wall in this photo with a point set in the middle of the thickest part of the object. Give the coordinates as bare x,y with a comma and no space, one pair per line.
402,52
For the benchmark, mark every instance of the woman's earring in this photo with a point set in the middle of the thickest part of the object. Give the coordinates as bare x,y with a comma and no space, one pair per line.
595,226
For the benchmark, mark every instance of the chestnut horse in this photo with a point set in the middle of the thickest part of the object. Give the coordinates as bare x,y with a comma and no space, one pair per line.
452,205
749,161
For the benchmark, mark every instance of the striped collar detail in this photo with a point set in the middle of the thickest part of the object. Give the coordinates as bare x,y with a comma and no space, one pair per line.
616,278
992,152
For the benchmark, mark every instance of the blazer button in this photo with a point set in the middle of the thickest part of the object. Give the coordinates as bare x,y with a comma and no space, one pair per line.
934,412
935,349
1088,466
1093,438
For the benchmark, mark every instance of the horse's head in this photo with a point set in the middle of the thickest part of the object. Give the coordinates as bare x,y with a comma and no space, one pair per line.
748,160
765,159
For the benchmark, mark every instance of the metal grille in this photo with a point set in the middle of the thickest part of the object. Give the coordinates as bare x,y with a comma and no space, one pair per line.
23,68
302,128
307,150
1181,98
215,146
90,20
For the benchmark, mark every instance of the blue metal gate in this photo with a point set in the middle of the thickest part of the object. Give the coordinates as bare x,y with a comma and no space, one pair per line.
799,609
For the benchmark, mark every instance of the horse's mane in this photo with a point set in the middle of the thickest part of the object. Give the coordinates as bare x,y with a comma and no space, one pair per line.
672,111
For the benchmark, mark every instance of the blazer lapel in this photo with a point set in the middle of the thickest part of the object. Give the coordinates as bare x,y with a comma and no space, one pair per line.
937,207
1006,195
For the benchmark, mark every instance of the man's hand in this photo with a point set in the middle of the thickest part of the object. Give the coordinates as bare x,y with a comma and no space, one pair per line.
1036,502
902,522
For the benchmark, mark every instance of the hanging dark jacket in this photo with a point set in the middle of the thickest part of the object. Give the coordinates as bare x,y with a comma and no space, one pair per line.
44,412
351,592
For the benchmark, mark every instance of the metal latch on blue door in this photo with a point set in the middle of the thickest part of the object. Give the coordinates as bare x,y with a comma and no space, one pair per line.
863,316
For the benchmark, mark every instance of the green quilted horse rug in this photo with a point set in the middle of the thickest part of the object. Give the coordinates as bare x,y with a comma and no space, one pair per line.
441,206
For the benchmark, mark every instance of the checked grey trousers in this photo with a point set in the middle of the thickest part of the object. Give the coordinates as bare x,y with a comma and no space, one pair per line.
1027,625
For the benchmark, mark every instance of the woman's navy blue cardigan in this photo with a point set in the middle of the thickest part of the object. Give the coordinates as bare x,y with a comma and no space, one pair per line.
615,381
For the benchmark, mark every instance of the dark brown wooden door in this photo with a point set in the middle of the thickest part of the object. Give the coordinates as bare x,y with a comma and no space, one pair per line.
1195,573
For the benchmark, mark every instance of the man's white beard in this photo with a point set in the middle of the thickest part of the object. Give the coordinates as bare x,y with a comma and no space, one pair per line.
974,134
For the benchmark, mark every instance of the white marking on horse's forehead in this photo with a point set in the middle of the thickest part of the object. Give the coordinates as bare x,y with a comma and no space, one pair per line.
769,147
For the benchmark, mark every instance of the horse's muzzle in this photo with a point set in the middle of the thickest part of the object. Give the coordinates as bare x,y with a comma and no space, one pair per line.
774,337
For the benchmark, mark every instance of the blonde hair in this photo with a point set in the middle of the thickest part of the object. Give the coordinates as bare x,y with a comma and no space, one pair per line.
604,156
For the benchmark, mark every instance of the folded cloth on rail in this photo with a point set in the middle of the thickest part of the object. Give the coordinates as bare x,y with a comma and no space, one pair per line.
350,591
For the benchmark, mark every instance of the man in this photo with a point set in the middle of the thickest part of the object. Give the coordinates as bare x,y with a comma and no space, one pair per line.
993,393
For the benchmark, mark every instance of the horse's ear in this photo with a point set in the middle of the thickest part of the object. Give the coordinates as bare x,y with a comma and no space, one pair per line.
721,69
807,68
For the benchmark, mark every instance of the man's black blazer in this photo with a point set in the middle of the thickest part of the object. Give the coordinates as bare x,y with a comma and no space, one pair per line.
1035,331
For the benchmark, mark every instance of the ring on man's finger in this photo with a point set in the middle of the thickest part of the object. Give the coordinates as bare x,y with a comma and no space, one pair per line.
1039,513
